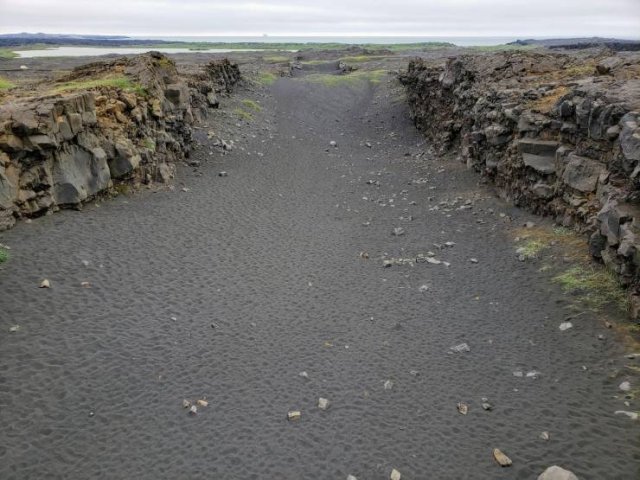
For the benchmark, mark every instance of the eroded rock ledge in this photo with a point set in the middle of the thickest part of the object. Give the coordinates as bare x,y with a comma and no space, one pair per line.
557,134
125,120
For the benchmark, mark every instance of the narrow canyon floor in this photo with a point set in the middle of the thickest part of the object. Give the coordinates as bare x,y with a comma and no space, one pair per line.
265,289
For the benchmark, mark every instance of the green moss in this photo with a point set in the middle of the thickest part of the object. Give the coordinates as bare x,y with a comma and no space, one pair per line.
243,114
252,105
595,286
4,255
121,82
5,84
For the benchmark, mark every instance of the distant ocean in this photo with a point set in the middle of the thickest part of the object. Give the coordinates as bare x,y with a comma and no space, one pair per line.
461,41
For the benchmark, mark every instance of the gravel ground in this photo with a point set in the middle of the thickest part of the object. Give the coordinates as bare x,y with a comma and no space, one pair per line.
226,288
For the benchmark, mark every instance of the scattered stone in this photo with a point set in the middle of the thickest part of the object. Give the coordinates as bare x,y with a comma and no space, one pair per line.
463,347
397,231
529,225
293,415
625,386
186,403
193,410
85,284
473,260
415,373
223,174
631,415
557,473
565,326
533,374
423,288
85,263
14,328
351,477
395,475
304,374
185,189
367,144
202,403
545,436
333,143
487,406
364,255
323,403
388,385
463,408
501,458
45,284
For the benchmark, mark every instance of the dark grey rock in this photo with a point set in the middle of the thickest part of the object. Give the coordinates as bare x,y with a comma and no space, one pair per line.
582,173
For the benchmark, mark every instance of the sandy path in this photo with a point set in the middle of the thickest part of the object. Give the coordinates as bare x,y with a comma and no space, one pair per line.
261,271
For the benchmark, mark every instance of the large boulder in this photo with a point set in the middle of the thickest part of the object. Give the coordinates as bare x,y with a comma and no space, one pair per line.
125,159
582,173
79,174
630,136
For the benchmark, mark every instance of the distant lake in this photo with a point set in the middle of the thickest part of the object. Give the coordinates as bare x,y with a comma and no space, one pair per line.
95,51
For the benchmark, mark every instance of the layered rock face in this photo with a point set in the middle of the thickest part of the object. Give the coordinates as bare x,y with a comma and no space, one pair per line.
559,135
62,149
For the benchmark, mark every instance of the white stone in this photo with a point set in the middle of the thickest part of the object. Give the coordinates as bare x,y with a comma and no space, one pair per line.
557,473
565,326
323,403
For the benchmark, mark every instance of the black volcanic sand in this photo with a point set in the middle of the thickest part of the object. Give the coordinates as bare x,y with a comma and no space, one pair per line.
262,274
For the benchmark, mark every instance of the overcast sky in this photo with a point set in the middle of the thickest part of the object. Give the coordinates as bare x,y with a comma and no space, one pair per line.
519,18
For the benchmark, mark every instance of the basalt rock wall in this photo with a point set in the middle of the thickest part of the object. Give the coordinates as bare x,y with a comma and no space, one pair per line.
557,134
62,149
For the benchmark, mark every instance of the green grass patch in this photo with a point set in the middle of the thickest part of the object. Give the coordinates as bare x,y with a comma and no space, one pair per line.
266,78
6,53
361,58
352,79
5,84
531,248
595,286
252,105
4,255
149,144
121,82
277,59
246,116
317,62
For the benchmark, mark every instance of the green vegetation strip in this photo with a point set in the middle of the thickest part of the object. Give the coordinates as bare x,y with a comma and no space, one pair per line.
203,46
351,79
4,255
121,82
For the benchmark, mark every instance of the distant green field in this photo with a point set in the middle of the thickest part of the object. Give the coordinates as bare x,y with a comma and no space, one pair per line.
6,53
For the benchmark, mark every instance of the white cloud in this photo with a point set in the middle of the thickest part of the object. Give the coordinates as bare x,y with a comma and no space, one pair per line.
519,18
